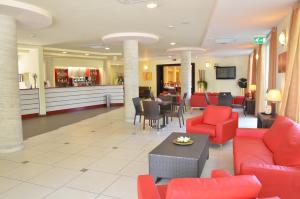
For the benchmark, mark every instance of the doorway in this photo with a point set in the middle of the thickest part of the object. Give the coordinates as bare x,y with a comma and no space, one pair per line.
168,78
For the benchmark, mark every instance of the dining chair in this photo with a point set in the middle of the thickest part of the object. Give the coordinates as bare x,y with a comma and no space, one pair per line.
138,108
177,104
152,113
207,99
178,114
241,106
225,99
152,96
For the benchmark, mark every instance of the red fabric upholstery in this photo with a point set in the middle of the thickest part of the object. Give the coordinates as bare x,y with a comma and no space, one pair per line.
238,100
277,171
274,136
227,187
219,174
225,123
214,115
198,99
288,152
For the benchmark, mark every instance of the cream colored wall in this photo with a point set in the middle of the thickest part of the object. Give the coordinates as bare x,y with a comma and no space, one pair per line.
241,63
52,62
283,26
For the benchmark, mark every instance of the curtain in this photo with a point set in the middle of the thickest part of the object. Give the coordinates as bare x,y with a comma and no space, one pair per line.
254,61
291,94
259,97
249,71
272,59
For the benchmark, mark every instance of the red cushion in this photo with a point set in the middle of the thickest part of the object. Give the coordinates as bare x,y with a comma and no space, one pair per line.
162,190
274,136
216,114
288,152
203,129
250,150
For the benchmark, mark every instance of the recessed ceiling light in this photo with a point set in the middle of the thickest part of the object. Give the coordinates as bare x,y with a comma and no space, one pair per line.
64,52
152,5
170,56
172,43
107,48
87,54
171,26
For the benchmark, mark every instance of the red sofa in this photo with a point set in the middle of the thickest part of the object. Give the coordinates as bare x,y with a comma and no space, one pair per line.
219,122
198,100
221,185
272,155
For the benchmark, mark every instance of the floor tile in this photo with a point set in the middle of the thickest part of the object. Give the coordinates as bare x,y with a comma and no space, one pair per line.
93,181
26,191
20,156
95,151
124,187
135,169
49,157
105,197
6,184
55,178
75,162
109,164
27,171
71,148
6,166
126,154
67,193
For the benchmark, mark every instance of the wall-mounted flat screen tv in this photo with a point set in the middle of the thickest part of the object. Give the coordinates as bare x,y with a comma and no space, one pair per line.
225,72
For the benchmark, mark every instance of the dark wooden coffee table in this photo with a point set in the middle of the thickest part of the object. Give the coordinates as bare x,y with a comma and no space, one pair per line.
168,160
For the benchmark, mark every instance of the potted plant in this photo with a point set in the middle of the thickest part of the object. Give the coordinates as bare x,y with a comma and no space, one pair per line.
202,84
242,83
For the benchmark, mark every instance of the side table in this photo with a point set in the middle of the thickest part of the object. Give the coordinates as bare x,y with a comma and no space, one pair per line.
250,106
264,120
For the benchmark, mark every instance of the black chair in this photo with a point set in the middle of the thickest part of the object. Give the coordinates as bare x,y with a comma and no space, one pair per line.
241,106
144,92
152,96
178,114
225,99
207,99
152,113
138,108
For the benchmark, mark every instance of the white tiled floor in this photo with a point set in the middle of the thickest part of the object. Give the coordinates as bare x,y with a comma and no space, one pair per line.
110,151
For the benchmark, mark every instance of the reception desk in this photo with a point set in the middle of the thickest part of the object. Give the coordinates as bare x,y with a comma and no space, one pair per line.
59,100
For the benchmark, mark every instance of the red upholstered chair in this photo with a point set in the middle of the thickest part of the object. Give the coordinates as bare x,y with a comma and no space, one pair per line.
221,185
219,122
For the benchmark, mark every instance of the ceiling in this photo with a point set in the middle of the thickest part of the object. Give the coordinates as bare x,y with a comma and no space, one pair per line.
78,24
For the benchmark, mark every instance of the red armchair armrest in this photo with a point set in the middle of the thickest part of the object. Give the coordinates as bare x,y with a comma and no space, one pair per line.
280,181
193,121
219,173
147,188
248,132
226,130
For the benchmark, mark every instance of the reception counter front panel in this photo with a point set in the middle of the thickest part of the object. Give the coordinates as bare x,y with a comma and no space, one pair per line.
59,99
30,104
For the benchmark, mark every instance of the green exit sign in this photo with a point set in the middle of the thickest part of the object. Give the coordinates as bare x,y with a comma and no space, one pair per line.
260,39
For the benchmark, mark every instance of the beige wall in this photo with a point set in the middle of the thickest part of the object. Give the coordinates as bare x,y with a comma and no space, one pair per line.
52,62
283,26
241,63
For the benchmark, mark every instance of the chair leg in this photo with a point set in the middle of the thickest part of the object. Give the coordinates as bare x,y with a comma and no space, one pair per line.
179,121
158,124
144,123
134,119
140,118
182,119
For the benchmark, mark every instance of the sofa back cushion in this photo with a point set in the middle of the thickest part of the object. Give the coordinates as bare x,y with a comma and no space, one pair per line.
275,134
288,152
214,115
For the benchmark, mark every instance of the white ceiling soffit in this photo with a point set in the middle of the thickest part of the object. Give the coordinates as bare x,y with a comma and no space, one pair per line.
79,24
235,22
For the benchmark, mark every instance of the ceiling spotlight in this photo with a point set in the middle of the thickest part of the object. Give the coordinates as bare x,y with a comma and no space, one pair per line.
146,67
282,38
64,52
171,26
87,54
107,48
172,43
152,5
170,57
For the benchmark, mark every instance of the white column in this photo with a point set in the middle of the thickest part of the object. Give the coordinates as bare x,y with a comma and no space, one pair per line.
131,76
186,74
41,80
11,136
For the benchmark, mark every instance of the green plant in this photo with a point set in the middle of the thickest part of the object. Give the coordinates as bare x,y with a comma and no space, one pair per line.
202,84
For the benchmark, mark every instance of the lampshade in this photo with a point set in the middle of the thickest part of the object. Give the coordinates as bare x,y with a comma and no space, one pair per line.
252,87
274,95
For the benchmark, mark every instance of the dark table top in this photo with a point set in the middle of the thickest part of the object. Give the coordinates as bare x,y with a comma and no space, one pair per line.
168,148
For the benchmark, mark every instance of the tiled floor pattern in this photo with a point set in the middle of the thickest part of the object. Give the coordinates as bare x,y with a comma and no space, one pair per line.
97,158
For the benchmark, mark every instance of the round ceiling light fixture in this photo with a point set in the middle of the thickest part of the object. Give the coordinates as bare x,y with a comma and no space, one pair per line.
172,43
64,52
152,5
86,54
282,38
171,26
107,48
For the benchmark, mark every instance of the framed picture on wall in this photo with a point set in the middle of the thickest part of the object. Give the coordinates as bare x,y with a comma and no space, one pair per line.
282,62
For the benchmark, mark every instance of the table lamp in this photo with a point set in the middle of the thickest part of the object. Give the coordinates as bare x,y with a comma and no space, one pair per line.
252,89
274,96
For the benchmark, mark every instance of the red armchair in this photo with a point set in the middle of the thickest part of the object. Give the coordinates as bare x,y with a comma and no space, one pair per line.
219,122
221,185
272,155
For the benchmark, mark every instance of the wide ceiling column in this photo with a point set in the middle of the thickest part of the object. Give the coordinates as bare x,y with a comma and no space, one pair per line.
186,74
186,68
11,13
131,76
130,42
